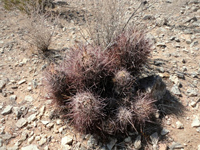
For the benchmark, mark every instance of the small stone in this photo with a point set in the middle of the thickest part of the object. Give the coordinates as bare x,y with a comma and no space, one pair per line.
31,139
164,131
154,138
192,92
196,122
15,147
2,84
50,125
174,79
21,82
176,146
42,141
13,97
24,136
44,122
42,110
46,148
127,140
175,90
67,140
193,104
179,125
21,123
37,138
7,110
112,143
30,147
31,118
137,143
28,98
198,147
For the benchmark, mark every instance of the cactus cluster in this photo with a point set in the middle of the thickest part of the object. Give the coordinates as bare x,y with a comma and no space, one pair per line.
97,86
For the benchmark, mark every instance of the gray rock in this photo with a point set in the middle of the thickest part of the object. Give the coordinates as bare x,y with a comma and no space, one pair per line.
128,139
6,136
21,123
179,125
13,97
154,138
192,92
164,131
175,90
138,143
7,110
67,140
28,98
30,147
176,146
196,122
112,143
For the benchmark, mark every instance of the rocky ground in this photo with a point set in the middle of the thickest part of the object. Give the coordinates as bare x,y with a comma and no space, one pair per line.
26,115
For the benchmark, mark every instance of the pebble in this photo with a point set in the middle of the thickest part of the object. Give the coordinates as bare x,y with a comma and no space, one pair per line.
198,147
15,147
28,98
13,97
127,140
42,141
164,131
31,118
21,82
30,147
176,146
175,90
21,123
138,143
196,122
31,139
1,142
154,138
2,84
179,125
192,92
67,140
7,110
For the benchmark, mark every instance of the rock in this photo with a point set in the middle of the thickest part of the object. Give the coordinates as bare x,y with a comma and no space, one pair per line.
174,79
137,143
31,139
28,98
196,122
2,84
30,147
44,122
7,110
13,97
198,147
162,45
6,136
175,146
46,148
179,125
111,144
193,103
148,17
42,110
153,85
50,125
21,123
67,140
154,138
24,136
175,90
31,118
42,141
192,92
21,82
128,139
164,131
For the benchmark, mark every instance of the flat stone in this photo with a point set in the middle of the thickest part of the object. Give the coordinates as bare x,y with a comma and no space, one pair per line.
198,147
13,97
2,84
138,143
196,122
6,136
28,98
154,138
31,139
30,147
21,123
7,110
21,82
164,131
13,148
42,141
176,146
